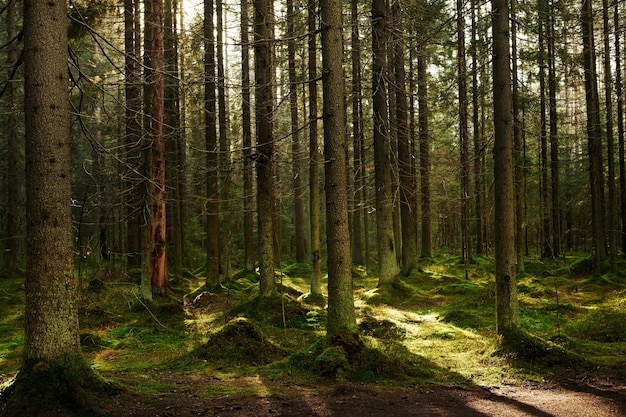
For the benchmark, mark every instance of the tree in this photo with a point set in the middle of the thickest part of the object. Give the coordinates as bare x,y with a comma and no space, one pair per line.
54,367
154,103
387,264
341,314
424,154
507,308
298,200
594,139
212,189
408,201
314,158
264,111
246,130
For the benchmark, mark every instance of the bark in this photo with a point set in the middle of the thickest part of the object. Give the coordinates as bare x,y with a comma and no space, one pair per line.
314,158
546,249
594,140
517,148
264,110
554,140
246,129
507,308
387,265
212,189
341,313
298,198
620,123
479,169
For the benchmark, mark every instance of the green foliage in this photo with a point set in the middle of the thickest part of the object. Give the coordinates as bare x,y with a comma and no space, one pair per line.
601,325
523,346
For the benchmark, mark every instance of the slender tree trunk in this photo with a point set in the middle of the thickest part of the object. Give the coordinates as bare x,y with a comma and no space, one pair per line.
620,122
546,247
463,137
155,111
246,127
264,110
298,198
341,313
408,207
211,145
133,132
612,214
172,136
358,256
387,264
594,140
424,146
554,139
517,147
314,158
507,309
224,148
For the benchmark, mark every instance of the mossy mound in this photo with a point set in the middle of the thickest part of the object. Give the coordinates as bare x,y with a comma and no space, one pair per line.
601,325
313,299
298,269
381,329
274,310
92,342
396,292
240,342
519,345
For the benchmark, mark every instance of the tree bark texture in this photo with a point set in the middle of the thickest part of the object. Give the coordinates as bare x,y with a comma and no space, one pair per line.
314,157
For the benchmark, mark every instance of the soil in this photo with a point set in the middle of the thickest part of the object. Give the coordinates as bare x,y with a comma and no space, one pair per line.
575,398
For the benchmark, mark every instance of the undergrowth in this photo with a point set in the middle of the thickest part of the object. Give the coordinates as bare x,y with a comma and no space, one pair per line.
432,327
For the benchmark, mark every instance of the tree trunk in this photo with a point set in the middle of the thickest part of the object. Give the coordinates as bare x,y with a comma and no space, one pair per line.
358,256
546,247
54,368
249,247
264,110
620,123
155,111
387,265
594,140
341,313
298,198
314,157
408,202
224,149
507,308
212,215
424,146
554,139
612,215
464,141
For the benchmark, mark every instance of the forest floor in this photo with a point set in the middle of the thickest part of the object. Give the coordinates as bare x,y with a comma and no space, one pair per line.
436,349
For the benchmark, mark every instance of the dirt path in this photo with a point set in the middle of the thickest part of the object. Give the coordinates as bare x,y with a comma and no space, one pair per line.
343,399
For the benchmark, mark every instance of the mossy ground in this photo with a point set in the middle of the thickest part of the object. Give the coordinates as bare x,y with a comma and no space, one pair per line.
433,327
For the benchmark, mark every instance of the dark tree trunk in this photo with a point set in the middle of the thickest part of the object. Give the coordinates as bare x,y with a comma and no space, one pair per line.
554,139
314,157
424,146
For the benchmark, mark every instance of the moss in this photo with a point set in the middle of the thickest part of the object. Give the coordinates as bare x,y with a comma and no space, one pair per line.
69,384
519,345
274,310
381,329
601,325
299,269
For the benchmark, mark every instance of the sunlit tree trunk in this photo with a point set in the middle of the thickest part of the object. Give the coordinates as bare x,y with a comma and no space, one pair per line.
212,189
546,247
314,157
341,313
507,308
555,205
264,110
620,122
479,170
387,264
249,247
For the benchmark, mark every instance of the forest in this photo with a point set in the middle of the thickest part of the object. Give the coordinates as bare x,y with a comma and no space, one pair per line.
312,208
